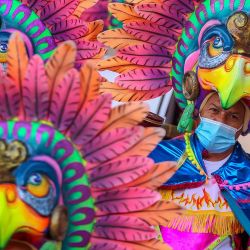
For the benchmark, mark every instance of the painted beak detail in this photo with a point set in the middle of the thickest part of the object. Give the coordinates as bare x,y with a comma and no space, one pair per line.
16,216
231,80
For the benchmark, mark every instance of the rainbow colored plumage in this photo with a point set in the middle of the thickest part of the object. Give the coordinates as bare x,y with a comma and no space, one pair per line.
118,184
48,23
160,41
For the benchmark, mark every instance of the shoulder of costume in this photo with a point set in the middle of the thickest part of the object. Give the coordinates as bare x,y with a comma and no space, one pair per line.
234,181
168,150
187,176
236,171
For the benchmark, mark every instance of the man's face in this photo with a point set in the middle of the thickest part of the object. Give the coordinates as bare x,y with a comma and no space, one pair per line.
233,117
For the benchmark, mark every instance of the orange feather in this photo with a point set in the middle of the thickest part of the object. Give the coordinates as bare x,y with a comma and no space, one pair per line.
155,177
118,65
118,39
83,5
17,60
126,115
135,2
124,12
60,62
90,81
160,213
152,136
127,95
94,28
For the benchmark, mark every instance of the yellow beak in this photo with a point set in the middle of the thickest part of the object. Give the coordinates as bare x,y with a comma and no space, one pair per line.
16,216
231,80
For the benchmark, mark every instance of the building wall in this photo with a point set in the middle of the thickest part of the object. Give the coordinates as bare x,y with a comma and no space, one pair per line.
245,142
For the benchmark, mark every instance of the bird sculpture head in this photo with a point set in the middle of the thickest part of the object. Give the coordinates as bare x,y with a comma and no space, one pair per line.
45,24
196,47
33,205
74,172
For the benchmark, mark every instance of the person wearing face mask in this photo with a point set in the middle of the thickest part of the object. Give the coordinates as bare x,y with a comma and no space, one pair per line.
212,182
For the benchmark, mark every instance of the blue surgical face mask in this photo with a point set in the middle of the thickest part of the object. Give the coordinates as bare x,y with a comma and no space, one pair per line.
215,137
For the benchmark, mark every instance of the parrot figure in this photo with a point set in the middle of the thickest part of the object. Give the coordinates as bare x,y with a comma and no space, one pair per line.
74,172
45,24
194,47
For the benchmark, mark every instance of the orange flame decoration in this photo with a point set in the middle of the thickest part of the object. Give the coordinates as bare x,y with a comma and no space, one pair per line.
199,201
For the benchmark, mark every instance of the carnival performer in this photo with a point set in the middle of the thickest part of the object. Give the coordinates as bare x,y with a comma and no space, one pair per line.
212,179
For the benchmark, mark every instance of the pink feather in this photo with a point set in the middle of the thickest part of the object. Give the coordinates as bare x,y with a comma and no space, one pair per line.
184,6
143,79
145,54
110,145
36,5
126,200
58,10
65,100
161,14
2,71
36,90
69,29
101,244
87,49
90,120
124,228
9,98
120,172
124,95
152,33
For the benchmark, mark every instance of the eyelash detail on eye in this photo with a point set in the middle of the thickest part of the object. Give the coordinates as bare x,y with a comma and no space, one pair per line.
206,61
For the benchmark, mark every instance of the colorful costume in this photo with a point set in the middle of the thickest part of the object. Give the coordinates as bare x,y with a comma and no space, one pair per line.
74,173
208,209
194,47
45,24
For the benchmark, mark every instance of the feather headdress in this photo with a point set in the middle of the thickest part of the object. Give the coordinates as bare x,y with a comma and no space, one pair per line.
109,183
45,24
193,46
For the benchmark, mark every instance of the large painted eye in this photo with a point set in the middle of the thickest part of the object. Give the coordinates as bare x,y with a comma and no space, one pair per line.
218,43
3,52
38,185
3,47
216,47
